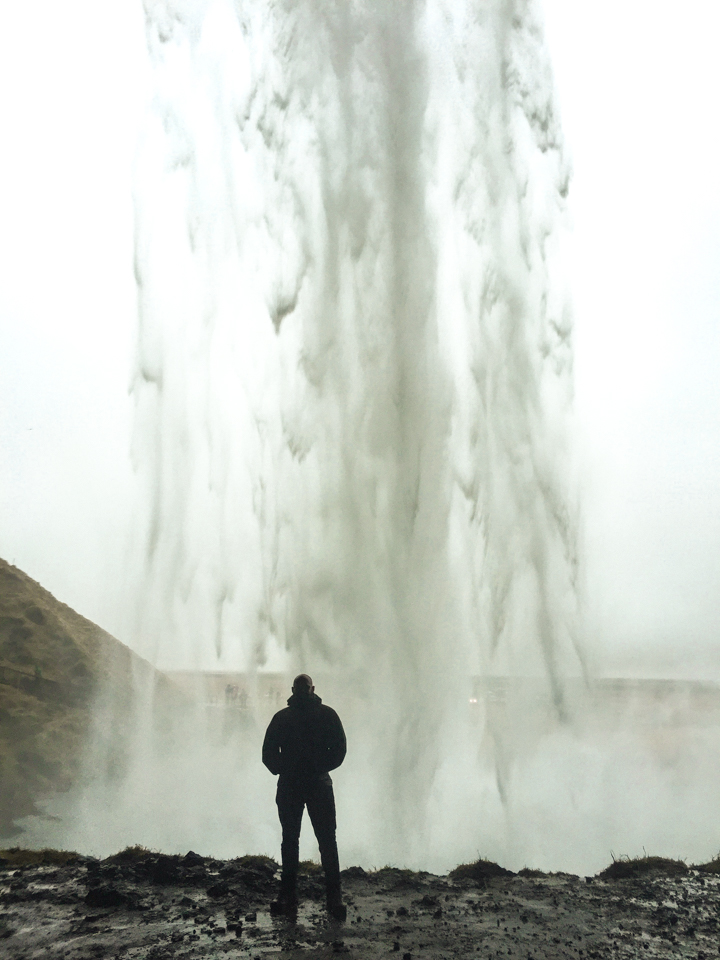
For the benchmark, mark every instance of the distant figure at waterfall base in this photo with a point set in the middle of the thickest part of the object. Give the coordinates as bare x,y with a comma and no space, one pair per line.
302,744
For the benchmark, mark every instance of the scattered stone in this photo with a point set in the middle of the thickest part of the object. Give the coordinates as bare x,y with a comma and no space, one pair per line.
428,901
105,896
543,917
218,890
192,859
165,870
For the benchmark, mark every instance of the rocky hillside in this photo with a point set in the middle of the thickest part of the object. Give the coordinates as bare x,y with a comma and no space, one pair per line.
53,665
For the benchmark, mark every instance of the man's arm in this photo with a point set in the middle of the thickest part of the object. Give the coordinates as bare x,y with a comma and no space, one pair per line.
336,742
271,753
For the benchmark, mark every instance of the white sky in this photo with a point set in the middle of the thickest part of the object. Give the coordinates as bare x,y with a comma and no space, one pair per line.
638,86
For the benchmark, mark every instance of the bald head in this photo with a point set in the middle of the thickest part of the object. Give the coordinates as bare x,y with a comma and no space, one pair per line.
303,685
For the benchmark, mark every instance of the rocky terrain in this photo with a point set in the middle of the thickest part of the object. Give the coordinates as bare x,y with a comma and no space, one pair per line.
139,904
54,664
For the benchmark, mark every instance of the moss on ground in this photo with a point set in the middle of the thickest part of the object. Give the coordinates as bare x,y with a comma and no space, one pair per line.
627,867
258,862
131,854
18,857
480,870
392,878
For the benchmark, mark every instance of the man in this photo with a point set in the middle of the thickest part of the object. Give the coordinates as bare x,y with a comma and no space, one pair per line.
303,743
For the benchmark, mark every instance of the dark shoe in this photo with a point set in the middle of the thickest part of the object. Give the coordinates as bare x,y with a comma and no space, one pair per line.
337,909
287,902
284,906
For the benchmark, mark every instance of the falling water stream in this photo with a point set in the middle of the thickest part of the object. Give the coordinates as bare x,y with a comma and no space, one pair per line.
354,365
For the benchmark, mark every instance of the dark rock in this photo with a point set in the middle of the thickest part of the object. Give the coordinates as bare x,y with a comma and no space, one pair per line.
218,890
427,901
159,953
165,871
257,881
192,859
105,896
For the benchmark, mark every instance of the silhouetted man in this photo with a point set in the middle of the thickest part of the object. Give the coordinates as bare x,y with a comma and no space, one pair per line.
303,743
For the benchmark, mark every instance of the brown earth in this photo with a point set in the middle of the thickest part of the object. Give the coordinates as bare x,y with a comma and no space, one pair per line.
149,906
53,665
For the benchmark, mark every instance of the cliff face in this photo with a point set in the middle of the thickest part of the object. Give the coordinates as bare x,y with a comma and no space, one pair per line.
53,665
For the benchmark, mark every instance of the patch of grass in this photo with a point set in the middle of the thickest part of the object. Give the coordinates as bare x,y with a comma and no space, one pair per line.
18,857
713,866
529,872
623,868
397,877
481,870
252,861
131,854
310,869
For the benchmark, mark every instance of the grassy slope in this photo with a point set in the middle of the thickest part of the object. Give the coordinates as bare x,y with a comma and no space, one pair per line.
52,665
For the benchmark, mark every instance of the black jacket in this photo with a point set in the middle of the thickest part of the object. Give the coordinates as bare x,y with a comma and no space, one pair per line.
304,741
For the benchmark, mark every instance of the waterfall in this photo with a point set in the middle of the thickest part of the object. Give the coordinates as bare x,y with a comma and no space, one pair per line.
354,374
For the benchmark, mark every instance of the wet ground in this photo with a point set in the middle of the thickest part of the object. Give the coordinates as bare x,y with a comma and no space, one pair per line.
150,906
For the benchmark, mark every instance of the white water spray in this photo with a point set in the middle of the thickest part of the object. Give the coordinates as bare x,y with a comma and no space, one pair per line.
354,368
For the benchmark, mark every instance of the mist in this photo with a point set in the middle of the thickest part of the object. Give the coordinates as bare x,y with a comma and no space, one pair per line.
353,433
354,364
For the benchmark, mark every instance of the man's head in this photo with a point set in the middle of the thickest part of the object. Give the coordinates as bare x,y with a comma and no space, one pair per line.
303,685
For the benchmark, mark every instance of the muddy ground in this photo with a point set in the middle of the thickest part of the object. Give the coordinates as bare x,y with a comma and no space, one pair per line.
150,906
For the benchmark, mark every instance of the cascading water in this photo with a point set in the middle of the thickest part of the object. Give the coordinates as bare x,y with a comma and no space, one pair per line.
354,374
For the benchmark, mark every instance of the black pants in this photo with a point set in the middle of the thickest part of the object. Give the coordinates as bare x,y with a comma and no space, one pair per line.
318,797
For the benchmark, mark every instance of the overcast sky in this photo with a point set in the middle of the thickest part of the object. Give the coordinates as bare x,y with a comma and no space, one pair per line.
638,86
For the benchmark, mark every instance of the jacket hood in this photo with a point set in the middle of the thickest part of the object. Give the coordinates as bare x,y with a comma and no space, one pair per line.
304,701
